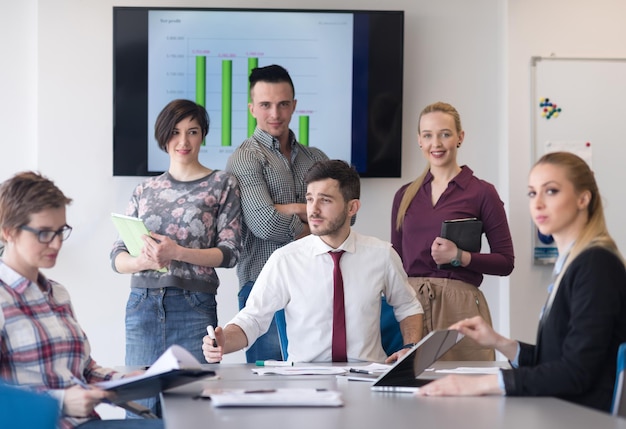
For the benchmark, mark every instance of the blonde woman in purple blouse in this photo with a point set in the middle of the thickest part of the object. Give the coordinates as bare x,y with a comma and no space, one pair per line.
194,217
448,191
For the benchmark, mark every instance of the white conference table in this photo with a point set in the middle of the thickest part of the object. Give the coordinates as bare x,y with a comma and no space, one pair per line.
182,409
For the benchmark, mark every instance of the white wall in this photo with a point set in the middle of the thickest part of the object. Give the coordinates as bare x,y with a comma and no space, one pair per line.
18,86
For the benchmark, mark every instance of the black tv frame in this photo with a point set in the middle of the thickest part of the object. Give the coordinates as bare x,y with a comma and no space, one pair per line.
376,131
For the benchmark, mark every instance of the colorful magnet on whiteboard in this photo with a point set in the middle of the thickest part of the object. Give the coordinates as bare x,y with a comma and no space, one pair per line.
548,109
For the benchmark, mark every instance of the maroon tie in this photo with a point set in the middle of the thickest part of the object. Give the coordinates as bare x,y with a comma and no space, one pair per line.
339,312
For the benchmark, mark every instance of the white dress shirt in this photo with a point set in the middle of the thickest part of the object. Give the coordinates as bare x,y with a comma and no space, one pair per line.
299,278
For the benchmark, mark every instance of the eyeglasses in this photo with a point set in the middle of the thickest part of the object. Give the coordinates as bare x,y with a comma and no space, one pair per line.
47,236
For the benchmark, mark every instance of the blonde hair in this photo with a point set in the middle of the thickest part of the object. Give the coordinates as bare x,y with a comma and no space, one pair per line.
411,190
595,232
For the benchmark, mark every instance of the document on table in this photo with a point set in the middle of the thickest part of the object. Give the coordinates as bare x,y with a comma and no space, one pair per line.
372,368
368,373
286,397
469,370
300,370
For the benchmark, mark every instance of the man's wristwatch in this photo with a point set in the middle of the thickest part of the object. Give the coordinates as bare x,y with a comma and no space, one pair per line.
456,261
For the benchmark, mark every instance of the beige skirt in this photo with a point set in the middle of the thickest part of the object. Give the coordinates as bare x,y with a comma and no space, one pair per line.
447,301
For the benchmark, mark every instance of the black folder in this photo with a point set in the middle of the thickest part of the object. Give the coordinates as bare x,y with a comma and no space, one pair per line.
465,233
132,388
175,367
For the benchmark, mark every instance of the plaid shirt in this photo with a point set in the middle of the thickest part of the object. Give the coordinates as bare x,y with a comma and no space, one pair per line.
266,178
41,343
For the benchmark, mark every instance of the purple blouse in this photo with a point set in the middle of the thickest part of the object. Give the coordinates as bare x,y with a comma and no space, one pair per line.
466,196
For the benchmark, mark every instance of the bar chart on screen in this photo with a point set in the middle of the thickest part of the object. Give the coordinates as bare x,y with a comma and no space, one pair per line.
205,58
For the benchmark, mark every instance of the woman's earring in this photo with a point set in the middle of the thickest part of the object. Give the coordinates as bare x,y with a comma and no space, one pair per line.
458,144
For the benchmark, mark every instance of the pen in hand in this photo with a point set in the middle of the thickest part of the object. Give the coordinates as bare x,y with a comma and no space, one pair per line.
211,332
80,382
85,386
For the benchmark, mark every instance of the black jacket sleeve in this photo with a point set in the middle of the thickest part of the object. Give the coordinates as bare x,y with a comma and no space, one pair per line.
575,356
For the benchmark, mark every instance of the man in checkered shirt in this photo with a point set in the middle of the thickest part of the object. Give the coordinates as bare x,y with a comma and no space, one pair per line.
270,167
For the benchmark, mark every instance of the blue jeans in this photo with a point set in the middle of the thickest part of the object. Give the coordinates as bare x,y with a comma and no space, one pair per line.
268,345
159,318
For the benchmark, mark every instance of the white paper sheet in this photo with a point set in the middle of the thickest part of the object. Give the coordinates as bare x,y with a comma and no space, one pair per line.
287,397
469,370
300,370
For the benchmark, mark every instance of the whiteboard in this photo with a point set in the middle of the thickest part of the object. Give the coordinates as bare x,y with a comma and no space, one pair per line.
591,96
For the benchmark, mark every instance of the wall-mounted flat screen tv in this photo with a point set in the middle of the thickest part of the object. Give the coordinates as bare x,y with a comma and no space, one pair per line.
346,65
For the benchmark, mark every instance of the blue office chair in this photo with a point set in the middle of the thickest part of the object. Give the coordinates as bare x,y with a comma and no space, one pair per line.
281,325
390,333
618,408
24,409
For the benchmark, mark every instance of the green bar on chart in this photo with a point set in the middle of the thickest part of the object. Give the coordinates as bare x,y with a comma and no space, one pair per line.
201,80
303,130
227,102
201,83
253,62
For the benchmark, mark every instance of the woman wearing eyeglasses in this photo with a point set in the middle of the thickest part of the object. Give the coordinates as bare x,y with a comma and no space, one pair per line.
42,345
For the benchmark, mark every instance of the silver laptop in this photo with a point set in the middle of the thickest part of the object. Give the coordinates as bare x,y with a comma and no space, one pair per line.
403,375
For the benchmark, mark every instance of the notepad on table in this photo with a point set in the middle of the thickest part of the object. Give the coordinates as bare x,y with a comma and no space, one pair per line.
131,229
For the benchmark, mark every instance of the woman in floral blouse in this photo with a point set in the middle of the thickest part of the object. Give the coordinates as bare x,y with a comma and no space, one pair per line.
194,217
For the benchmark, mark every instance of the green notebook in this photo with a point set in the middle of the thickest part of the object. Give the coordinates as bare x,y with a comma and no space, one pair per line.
131,229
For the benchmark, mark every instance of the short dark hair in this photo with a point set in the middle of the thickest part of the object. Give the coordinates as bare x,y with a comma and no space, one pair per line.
342,172
271,74
173,113
25,194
